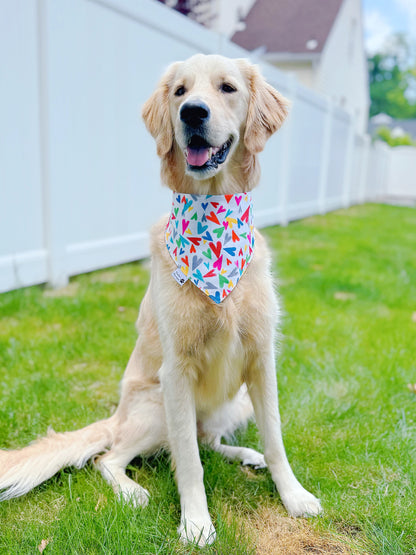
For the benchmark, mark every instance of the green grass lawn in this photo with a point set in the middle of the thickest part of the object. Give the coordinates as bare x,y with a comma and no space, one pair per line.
348,289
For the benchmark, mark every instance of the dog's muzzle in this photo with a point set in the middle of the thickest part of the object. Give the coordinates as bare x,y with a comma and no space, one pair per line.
200,155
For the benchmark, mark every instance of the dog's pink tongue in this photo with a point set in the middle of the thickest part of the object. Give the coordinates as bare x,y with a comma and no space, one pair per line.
197,156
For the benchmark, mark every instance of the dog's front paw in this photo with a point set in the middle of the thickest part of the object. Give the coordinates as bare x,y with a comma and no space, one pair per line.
300,502
197,530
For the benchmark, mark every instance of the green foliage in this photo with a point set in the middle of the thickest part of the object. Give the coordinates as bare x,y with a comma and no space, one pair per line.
385,134
348,287
392,76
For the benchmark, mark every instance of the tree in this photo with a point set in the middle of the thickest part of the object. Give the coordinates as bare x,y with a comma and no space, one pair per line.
392,76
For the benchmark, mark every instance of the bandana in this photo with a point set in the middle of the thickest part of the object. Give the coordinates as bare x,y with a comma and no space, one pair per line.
211,239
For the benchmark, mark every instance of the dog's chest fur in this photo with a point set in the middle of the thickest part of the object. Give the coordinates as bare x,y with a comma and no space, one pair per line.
216,344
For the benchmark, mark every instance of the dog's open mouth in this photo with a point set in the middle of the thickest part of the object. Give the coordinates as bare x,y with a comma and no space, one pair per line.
200,155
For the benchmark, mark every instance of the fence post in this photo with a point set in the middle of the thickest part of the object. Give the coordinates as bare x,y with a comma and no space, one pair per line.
383,189
283,177
366,146
325,155
52,205
349,160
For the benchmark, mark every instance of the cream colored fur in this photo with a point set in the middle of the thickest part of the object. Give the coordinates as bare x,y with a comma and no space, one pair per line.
197,368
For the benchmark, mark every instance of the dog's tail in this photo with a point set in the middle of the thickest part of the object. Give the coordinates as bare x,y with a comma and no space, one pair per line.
23,469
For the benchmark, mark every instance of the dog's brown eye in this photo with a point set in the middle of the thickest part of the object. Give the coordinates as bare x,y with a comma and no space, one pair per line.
227,88
180,91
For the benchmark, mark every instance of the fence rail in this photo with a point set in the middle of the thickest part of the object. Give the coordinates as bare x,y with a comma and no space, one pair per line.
79,178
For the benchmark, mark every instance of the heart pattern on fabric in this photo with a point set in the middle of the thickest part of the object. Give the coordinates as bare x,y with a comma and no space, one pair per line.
206,229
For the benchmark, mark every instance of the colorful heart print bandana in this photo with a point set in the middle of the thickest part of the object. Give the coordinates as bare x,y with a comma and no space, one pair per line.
211,239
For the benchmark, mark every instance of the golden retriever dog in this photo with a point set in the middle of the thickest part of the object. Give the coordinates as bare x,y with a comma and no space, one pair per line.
201,363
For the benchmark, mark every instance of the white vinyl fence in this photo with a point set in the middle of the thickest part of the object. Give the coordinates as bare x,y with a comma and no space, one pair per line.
79,177
401,178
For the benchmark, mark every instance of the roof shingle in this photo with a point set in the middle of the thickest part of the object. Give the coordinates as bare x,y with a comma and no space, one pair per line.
287,25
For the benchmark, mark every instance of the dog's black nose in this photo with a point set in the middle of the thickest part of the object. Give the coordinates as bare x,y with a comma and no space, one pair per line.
194,114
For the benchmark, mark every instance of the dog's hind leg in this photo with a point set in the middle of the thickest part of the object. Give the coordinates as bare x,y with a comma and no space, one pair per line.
230,416
140,431
140,417
247,456
112,466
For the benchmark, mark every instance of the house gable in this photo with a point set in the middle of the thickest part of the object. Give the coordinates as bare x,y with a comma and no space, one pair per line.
321,41
291,26
342,73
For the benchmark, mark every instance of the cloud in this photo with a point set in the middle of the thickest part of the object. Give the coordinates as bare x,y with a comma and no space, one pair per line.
409,9
409,6
376,30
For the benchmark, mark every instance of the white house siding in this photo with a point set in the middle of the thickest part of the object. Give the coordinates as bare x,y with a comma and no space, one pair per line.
304,71
342,71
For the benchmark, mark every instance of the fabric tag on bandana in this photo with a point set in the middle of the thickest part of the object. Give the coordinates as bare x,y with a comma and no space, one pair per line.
179,276
211,239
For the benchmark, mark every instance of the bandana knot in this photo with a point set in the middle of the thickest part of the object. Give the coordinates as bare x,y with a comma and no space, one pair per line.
211,240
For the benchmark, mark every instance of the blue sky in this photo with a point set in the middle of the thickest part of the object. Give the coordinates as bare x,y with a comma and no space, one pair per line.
384,17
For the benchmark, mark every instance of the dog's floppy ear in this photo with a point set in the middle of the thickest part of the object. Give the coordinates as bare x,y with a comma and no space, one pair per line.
267,109
156,116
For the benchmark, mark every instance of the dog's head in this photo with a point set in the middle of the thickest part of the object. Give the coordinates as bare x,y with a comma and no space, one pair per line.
210,116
